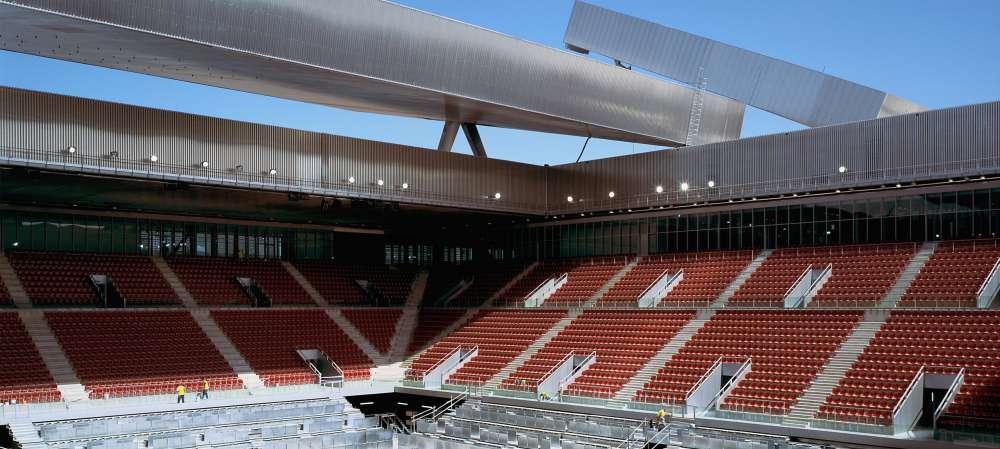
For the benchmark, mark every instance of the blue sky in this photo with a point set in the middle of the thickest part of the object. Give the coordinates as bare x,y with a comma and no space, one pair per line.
937,53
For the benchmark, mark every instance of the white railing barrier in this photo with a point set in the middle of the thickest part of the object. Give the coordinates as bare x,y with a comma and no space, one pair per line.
908,410
819,278
737,376
806,285
538,296
563,373
991,286
435,376
664,283
953,389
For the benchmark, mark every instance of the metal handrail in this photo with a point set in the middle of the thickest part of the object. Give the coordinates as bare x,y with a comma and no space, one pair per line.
906,392
702,379
555,280
988,278
798,279
664,273
952,391
593,354
556,366
435,413
737,376
446,357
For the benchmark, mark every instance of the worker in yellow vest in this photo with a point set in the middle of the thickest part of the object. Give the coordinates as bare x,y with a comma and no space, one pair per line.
180,393
204,388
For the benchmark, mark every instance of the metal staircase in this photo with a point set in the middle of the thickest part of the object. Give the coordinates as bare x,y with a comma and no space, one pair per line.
908,275
225,347
741,278
533,348
175,283
824,382
13,284
659,359
26,435
305,284
53,356
611,283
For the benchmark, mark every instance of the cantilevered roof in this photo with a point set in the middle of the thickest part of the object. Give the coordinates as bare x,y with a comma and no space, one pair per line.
370,55
791,91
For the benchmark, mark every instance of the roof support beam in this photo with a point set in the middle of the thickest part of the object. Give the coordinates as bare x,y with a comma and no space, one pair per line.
448,134
475,141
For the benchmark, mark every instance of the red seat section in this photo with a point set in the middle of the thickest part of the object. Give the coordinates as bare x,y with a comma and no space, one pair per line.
212,280
5,299
338,282
486,282
586,276
787,348
23,375
136,353
268,340
430,324
953,274
62,278
500,334
706,275
622,340
869,391
377,325
861,276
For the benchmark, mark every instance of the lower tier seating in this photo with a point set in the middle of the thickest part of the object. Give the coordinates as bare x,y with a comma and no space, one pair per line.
127,353
63,278
953,274
623,342
377,325
937,341
500,335
268,340
337,282
23,375
430,324
212,280
860,277
786,347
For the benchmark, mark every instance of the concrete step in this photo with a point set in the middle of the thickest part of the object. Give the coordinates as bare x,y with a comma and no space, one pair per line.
417,289
533,348
741,278
403,333
225,347
175,283
305,284
909,273
13,283
611,282
52,354
356,336
661,357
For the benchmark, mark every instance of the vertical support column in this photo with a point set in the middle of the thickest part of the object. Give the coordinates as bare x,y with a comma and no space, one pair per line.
448,134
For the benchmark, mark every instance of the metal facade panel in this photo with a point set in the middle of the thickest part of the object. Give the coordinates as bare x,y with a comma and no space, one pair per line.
367,55
955,142
797,93
37,128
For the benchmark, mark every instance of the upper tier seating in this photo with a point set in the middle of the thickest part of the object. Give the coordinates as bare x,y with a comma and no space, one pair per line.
861,276
585,277
337,282
706,275
430,323
486,282
787,348
622,340
212,280
268,339
62,278
939,341
377,325
953,274
500,334
127,353
23,375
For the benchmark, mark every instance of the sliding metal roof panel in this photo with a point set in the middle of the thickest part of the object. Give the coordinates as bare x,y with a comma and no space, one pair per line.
791,91
367,55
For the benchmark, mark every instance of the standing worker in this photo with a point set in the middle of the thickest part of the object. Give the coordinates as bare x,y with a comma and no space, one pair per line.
204,388
180,393
661,419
